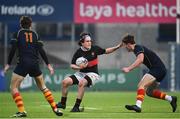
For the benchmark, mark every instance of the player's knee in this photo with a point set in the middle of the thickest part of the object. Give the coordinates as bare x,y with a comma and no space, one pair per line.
66,82
81,84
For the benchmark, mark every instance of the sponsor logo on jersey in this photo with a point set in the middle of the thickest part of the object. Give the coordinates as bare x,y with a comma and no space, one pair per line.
92,53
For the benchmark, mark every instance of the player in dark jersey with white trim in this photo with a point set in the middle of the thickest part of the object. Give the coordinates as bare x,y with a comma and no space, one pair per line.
28,46
87,73
150,82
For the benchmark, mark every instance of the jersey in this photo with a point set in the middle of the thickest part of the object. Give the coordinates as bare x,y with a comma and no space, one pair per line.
28,45
91,56
150,58
152,61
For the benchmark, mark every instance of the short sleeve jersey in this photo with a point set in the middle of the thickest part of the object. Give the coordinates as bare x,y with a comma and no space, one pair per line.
91,56
151,60
27,42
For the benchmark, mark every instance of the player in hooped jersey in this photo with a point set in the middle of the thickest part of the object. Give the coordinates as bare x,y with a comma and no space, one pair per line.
28,46
150,82
87,74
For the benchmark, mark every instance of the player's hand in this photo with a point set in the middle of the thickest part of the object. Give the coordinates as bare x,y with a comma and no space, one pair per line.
82,66
6,68
125,69
51,70
121,44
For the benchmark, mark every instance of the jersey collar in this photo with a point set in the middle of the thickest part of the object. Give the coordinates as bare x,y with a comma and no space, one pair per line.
84,49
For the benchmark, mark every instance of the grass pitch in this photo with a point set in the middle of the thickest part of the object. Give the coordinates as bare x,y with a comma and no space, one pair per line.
108,105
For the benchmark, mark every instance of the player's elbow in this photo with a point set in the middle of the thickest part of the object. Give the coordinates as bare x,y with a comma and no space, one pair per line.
108,51
73,66
141,60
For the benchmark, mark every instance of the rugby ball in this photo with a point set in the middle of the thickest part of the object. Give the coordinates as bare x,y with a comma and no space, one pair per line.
81,60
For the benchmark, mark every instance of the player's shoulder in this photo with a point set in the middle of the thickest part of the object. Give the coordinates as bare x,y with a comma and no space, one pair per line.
78,50
13,37
139,47
95,46
22,30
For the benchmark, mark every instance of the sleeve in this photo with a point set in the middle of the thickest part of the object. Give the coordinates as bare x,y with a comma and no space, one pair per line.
99,50
42,51
13,43
39,41
138,49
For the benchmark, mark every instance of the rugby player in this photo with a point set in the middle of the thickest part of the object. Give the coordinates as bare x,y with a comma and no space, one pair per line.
151,80
87,74
28,44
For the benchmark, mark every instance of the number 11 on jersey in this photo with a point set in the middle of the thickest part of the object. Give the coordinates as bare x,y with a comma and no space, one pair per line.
28,37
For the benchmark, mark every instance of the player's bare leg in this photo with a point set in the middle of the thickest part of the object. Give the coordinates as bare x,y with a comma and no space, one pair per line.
65,84
47,94
154,92
146,81
15,84
81,88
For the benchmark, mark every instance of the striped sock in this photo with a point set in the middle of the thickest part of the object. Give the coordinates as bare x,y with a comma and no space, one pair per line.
140,97
19,102
158,94
49,97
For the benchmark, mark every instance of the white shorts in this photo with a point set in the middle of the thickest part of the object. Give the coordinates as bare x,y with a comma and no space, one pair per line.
93,76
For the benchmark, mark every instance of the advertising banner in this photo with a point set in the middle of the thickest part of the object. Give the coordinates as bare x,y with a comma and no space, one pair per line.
130,11
39,10
111,79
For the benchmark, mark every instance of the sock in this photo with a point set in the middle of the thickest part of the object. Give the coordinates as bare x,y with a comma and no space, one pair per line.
138,103
168,98
140,97
63,100
158,94
49,97
78,102
19,102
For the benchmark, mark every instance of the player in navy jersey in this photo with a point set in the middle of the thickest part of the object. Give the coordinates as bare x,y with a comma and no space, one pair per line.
87,74
150,82
28,46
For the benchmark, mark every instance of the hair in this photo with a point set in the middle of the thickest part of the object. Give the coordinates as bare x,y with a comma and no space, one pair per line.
83,35
128,39
25,22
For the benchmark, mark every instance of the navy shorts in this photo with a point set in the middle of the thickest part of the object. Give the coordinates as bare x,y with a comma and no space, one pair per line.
158,73
24,69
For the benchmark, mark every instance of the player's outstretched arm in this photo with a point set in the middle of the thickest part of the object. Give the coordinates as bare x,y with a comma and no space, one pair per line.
137,62
112,49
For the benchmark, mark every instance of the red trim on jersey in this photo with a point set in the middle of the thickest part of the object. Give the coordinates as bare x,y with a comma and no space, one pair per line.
93,62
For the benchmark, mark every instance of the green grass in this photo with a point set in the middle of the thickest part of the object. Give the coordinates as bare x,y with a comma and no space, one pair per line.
97,105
